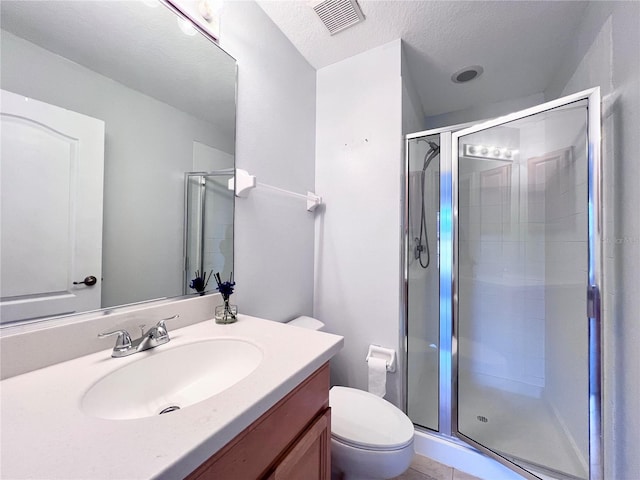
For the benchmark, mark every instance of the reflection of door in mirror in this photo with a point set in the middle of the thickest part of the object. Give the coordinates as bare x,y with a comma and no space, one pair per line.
51,210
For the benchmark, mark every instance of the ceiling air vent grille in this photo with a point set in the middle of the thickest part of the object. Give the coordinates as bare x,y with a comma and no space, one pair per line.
339,14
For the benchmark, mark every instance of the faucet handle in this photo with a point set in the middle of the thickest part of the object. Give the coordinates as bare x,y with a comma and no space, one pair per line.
161,328
161,324
124,339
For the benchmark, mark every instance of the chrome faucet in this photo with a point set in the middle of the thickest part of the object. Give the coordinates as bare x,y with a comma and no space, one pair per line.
156,335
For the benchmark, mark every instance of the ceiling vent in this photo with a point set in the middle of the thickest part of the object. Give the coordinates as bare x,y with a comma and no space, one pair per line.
337,15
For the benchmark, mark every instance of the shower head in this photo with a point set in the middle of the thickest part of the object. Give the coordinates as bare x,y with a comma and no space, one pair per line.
433,152
433,146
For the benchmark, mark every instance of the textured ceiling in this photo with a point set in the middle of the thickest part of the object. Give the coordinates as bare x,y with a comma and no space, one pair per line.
136,45
520,44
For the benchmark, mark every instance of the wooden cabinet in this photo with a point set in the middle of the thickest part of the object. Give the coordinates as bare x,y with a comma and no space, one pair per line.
291,441
309,458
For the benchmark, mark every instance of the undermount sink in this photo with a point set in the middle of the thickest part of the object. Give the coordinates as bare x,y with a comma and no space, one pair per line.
170,379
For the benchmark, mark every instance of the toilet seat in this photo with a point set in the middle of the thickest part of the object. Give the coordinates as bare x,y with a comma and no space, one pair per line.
363,420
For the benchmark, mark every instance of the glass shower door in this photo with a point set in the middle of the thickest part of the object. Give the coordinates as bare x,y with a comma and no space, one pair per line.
525,270
422,270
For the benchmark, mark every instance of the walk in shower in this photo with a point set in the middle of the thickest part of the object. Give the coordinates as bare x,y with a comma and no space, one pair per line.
502,278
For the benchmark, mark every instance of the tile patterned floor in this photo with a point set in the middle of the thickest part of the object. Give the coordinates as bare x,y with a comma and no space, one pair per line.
423,468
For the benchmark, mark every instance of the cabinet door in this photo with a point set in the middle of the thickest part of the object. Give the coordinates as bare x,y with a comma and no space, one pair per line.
310,456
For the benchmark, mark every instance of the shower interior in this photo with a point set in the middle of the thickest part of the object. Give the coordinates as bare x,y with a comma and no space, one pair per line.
519,384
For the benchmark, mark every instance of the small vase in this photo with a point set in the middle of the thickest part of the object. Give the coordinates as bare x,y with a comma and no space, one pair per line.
226,313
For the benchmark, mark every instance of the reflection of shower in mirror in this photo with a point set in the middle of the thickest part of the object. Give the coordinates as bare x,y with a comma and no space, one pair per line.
208,224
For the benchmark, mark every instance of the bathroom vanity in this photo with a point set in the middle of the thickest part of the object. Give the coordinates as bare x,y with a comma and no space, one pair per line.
291,440
273,422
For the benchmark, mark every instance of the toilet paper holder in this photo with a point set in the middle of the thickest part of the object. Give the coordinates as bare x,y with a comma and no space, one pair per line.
386,354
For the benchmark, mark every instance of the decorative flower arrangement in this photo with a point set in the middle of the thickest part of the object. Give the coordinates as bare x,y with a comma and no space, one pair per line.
229,312
225,288
200,282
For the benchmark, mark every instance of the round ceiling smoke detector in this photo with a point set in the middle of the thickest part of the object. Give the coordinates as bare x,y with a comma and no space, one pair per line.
467,74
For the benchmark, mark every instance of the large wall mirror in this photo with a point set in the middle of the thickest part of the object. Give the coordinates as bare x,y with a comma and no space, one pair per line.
118,133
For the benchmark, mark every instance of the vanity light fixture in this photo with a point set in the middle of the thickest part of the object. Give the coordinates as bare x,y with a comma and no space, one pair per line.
210,9
489,152
211,12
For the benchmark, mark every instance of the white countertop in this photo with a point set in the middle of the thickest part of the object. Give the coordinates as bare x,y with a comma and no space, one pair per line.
45,435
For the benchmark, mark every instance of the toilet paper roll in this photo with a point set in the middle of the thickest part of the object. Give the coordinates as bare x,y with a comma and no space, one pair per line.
377,376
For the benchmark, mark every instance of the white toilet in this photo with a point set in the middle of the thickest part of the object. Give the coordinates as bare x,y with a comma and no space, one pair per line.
371,438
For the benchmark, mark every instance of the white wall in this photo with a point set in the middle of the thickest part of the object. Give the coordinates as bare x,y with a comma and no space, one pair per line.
413,119
148,147
274,234
483,112
605,53
358,172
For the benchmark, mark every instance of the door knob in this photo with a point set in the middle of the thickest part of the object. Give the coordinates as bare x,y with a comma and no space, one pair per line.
88,281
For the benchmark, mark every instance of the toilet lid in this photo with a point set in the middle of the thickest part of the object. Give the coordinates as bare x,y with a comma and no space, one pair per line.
362,419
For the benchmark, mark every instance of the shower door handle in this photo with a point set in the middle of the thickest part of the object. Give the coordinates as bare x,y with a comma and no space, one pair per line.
593,301
438,239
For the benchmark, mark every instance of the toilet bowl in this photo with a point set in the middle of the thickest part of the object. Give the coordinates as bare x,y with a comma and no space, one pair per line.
371,438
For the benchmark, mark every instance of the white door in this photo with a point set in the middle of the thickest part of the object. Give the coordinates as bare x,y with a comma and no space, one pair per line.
51,182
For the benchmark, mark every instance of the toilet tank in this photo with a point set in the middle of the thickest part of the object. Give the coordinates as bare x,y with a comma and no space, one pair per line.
307,322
